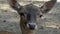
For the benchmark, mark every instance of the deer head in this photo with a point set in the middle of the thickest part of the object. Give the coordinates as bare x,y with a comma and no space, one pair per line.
30,13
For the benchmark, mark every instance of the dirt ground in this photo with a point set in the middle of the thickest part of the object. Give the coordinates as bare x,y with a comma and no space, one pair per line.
9,20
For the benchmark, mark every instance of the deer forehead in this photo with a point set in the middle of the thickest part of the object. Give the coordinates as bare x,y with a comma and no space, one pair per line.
30,8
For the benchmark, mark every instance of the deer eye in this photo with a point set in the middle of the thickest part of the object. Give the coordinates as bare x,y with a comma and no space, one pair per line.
40,15
21,14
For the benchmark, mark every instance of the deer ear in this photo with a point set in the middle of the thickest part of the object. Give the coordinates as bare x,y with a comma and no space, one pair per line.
15,5
47,6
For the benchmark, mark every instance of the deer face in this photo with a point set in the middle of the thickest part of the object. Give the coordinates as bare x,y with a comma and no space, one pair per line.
30,13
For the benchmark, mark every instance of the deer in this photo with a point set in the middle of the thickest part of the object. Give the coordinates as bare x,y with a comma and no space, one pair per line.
29,14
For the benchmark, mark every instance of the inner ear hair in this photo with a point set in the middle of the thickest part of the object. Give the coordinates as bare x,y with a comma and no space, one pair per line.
47,6
15,5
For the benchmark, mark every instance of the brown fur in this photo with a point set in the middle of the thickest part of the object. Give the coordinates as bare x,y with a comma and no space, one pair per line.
24,29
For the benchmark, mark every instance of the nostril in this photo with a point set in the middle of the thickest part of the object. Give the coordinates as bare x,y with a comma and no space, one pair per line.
31,26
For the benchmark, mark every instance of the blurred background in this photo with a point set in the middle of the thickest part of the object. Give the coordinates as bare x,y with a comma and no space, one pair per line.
9,18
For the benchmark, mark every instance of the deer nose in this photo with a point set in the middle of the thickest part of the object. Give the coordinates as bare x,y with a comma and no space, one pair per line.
32,26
